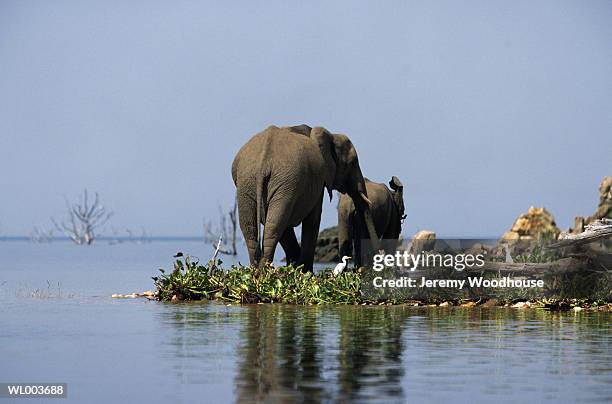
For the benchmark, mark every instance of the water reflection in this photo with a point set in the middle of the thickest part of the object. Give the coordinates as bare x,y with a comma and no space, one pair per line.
370,352
320,354
281,356
276,353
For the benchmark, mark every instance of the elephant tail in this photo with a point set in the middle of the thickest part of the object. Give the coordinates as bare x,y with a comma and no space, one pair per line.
261,196
263,173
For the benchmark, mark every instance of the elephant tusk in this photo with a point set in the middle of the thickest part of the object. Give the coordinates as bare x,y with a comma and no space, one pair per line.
365,199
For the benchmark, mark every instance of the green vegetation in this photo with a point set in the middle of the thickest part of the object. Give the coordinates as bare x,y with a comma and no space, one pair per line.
192,281
538,254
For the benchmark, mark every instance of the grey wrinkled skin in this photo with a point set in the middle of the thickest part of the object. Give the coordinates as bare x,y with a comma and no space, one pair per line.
280,176
387,208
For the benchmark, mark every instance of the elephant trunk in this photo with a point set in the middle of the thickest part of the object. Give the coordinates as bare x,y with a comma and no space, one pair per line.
362,205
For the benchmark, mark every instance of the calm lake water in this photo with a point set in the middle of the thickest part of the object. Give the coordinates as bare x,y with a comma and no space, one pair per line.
59,324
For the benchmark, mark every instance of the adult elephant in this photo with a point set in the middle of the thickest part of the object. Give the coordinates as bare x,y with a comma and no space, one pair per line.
280,175
387,209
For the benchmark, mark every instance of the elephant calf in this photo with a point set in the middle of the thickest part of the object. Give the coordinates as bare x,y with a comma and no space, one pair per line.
387,209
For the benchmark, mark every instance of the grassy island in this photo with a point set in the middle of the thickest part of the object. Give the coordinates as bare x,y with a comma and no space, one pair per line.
191,281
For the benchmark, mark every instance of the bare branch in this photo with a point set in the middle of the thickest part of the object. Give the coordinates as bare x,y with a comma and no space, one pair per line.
41,235
83,219
225,231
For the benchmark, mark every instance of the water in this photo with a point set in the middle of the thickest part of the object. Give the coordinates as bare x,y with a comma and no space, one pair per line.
59,324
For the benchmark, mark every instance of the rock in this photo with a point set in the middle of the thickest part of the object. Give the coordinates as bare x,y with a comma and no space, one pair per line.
445,304
326,249
604,209
577,308
536,224
468,304
522,305
510,236
424,240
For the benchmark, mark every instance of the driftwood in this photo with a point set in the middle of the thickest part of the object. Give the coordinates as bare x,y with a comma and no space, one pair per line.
597,230
564,264
575,259
579,260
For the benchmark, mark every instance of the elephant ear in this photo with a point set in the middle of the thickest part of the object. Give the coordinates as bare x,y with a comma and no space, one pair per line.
398,196
396,184
301,129
326,146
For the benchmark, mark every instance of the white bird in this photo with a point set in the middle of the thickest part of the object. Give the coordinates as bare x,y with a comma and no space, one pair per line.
341,266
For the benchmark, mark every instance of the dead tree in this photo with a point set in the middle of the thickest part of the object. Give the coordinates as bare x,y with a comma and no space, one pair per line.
84,218
224,237
41,235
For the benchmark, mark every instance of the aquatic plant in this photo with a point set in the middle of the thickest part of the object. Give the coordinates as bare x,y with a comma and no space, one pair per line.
191,280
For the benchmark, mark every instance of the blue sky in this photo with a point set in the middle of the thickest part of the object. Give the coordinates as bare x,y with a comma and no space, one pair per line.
481,108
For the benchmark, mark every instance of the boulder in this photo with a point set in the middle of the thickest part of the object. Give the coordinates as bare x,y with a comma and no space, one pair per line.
536,224
327,245
604,209
423,240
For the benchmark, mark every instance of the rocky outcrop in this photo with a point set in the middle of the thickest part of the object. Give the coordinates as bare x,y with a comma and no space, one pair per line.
327,245
536,224
604,209
423,240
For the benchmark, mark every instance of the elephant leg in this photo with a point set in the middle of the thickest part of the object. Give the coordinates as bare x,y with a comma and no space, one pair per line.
310,232
357,234
390,237
345,236
392,233
290,245
275,227
247,216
